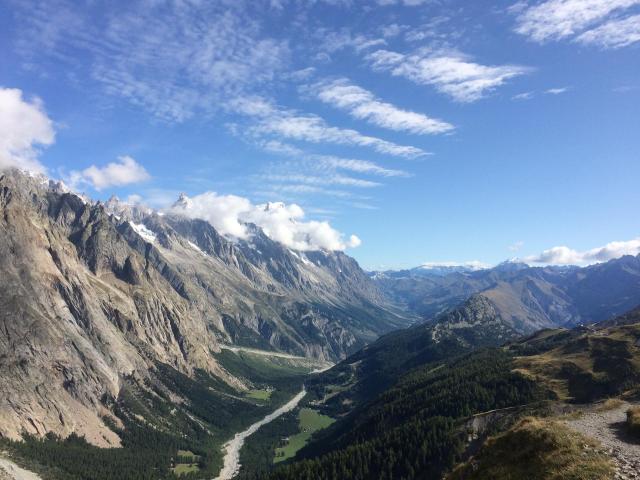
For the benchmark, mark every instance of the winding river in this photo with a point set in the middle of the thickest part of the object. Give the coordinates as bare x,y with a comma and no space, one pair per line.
232,448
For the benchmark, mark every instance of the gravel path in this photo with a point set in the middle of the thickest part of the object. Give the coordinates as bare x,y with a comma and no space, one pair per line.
232,448
608,427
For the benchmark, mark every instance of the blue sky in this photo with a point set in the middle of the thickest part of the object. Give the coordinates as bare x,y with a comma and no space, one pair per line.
434,131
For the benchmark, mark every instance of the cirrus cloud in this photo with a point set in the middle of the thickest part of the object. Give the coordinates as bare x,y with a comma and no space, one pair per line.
272,120
580,20
363,105
451,73
613,34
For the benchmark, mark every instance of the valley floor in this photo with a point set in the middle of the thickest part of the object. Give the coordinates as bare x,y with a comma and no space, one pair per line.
232,447
608,428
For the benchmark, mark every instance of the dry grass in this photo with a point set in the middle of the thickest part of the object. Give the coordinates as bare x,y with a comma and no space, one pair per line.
633,420
537,449
609,404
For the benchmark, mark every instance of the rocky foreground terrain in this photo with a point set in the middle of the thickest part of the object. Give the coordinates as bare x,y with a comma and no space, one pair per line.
607,427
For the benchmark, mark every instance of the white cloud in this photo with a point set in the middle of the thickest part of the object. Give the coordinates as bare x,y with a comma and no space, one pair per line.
516,246
175,59
324,180
558,19
523,96
451,73
24,127
613,34
557,90
563,255
360,166
408,3
331,161
272,120
334,41
472,264
363,105
392,30
283,223
116,174
303,74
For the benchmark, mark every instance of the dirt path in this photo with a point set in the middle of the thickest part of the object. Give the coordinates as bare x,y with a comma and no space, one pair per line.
11,471
608,427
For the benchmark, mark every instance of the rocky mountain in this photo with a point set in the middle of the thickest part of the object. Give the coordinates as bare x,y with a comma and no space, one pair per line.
93,294
527,297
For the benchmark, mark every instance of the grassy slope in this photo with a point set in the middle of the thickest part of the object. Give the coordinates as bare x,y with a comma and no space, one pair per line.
537,449
309,421
582,365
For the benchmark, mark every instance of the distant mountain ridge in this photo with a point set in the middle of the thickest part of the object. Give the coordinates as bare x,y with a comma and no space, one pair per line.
527,297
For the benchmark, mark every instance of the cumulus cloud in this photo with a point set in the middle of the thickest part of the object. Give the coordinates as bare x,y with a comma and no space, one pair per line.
272,120
563,255
24,128
286,224
363,105
451,73
116,174
558,19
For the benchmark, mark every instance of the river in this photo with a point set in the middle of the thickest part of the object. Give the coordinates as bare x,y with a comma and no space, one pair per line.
232,448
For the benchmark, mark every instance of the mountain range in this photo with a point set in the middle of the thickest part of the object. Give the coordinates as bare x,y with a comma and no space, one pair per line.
527,298
93,293
123,326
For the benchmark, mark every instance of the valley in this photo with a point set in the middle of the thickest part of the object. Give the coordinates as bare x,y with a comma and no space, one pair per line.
148,346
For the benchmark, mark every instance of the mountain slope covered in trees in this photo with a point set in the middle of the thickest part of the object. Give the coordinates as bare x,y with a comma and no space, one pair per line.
419,426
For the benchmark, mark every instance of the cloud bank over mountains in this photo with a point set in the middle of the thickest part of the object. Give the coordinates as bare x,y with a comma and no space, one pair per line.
564,255
25,128
230,214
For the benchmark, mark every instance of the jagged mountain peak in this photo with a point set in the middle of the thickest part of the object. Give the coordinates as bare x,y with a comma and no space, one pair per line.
183,201
511,265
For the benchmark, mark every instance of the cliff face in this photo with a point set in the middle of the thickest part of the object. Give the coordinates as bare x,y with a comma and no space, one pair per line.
93,293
